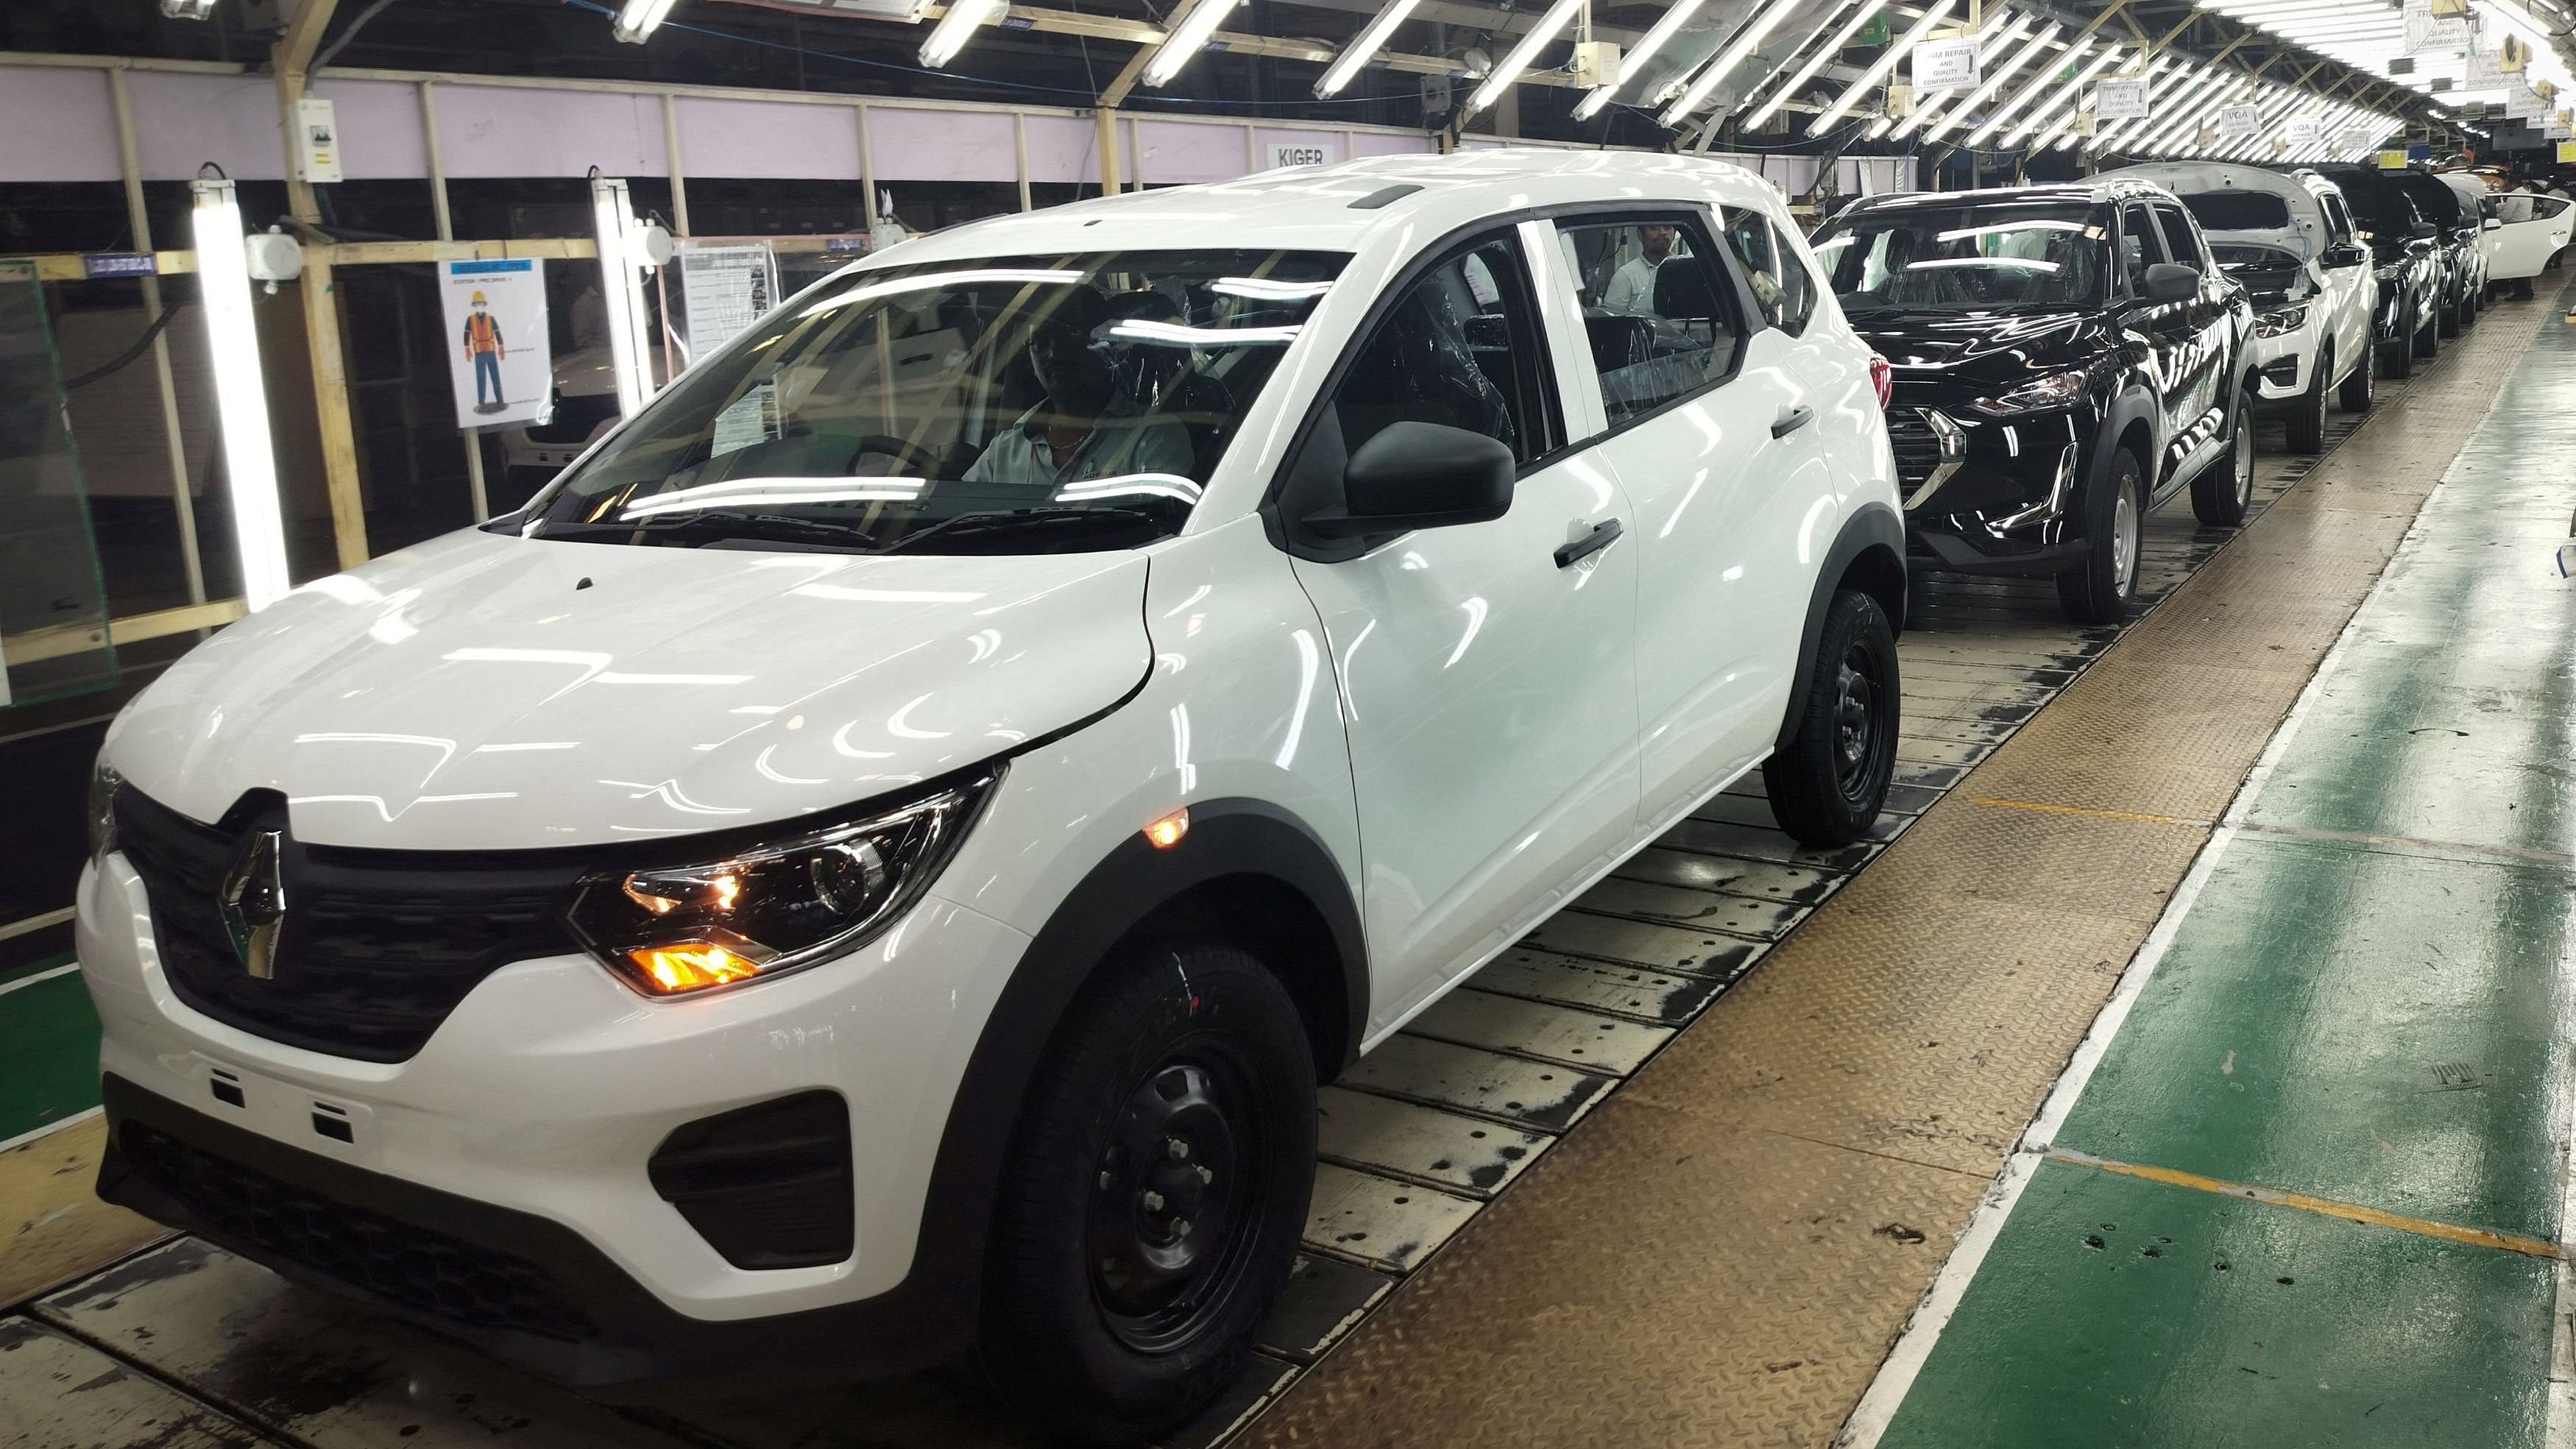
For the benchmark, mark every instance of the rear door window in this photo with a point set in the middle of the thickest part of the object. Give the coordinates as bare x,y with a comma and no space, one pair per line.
1659,311
2182,243
2140,248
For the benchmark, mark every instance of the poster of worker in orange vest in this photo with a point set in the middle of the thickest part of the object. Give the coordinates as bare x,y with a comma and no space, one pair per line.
497,352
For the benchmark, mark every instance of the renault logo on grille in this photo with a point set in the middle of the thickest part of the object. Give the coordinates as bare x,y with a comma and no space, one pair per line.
254,902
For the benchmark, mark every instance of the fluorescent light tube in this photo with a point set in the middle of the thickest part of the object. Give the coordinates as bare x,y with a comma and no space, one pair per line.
1558,16
1187,39
950,35
1885,66
1709,78
1815,63
241,397
641,19
1371,39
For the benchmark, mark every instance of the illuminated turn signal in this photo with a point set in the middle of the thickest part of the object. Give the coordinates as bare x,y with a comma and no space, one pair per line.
1167,832
691,966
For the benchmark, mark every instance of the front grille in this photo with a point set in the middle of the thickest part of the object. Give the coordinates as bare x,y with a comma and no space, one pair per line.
401,1263
574,419
1918,452
378,947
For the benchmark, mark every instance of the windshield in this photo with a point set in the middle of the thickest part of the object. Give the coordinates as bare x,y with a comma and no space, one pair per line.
1037,404
2382,213
1964,258
2238,210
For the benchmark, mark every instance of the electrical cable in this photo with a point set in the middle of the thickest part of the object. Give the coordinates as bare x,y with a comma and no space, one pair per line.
123,359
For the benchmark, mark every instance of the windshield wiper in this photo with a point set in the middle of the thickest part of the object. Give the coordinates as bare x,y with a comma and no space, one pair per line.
992,519
715,523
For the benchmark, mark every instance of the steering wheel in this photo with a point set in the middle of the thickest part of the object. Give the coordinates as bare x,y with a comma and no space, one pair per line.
920,460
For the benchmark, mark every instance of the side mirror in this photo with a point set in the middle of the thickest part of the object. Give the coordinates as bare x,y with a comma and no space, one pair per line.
2493,223
2171,282
2346,254
2426,229
1420,475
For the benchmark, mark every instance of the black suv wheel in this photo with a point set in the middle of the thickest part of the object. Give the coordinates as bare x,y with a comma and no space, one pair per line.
2307,421
2357,394
2397,357
2221,492
1827,785
2428,335
2115,517
1154,1195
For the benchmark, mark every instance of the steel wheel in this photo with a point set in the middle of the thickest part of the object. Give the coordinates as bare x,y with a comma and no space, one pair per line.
2125,543
1858,739
1178,1198
2244,446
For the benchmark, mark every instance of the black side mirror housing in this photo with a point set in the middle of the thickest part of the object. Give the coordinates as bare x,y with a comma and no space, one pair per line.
2171,281
2427,229
2346,254
1420,475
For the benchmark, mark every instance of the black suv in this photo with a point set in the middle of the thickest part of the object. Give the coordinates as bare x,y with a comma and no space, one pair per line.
2459,240
2065,358
2407,254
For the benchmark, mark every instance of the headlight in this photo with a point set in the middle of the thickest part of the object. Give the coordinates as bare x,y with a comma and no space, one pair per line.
2039,395
775,907
103,783
2287,319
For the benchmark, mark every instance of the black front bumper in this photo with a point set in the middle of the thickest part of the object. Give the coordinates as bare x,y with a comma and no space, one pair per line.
520,1287
2007,473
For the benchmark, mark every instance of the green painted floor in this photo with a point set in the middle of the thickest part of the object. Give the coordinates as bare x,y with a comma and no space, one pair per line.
2368,1001
48,1047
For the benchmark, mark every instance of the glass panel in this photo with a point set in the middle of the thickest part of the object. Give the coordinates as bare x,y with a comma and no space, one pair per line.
53,607
1460,348
1664,325
1940,255
1018,405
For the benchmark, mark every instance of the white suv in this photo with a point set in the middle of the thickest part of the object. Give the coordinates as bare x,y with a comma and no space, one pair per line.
877,857
2289,239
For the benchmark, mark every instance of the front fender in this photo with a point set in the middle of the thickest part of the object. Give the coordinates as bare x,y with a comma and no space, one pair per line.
1871,550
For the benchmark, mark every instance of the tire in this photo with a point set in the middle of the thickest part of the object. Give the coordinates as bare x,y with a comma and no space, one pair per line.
2307,423
2356,395
2428,337
2221,492
1828,783
2448,317
2097,591
2397,358
1103,1321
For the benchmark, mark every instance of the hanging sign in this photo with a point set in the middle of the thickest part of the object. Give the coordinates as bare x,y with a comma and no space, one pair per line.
2521,103
2566,152
2305,131
1946,65
498,354
2359,138
724,289
2120,100
2235,123
2428,31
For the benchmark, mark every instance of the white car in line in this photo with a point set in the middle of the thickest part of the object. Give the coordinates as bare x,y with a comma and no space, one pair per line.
2289,239
875,860
2523,232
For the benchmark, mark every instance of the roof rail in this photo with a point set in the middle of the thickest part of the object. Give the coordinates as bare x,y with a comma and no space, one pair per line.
1385,195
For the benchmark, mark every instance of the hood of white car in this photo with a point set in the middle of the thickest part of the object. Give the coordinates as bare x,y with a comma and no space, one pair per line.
483,691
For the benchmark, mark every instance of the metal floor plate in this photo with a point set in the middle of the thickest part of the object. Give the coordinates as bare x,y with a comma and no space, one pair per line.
1465,1116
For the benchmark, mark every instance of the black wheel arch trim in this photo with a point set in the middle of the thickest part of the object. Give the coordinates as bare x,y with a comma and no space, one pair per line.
1227,839
1872,526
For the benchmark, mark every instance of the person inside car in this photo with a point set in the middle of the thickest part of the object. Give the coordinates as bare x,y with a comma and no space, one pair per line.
1632,287
1083,428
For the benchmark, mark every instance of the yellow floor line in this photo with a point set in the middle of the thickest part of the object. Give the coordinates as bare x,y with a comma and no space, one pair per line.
2002,804
2324,1206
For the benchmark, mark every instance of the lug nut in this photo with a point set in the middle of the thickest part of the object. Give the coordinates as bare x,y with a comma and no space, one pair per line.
1175,1148
1152,1200
1180,1227
1205,1176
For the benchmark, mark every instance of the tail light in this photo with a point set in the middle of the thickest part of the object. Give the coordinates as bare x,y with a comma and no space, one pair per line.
1880,378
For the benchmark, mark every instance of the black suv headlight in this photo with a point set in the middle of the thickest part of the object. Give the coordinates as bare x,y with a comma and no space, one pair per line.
103,785
775,907
2281,320
2039,395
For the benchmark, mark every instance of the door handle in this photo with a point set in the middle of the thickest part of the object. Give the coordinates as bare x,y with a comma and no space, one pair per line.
1792,420
1603,534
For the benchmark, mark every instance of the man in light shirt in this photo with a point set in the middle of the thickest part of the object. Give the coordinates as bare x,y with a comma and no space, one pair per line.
1082,429
1632,287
